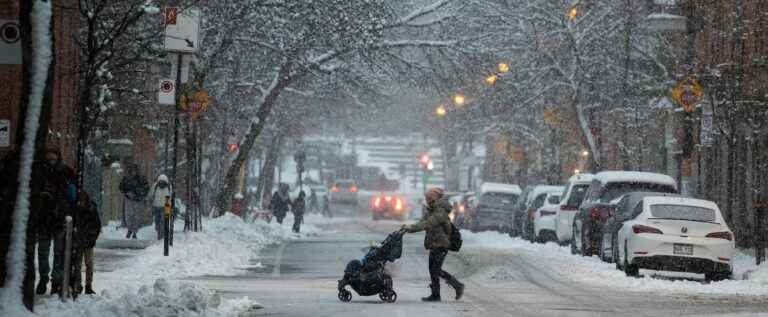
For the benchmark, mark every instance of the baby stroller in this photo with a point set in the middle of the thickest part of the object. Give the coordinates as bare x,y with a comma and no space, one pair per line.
367,277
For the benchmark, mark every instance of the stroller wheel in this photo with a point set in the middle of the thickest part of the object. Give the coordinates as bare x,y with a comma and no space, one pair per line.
345,295
388,296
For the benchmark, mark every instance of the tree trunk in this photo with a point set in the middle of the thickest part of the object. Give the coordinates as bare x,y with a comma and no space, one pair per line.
267,175
283,79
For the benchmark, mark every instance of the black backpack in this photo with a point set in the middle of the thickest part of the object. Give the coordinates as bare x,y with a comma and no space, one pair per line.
455,239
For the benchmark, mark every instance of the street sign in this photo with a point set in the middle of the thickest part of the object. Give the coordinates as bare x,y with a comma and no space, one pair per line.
688,93
10,42
706,137
166,92
5,133
183,35
170,15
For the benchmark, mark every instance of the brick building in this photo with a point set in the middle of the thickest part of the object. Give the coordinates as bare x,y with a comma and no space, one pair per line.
62,126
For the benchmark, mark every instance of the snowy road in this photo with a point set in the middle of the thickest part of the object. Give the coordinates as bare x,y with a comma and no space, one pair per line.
298,278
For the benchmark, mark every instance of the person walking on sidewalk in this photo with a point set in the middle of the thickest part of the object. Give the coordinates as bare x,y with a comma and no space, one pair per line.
160,190
298,208
135,188
437,224
327,207
280,202
88,228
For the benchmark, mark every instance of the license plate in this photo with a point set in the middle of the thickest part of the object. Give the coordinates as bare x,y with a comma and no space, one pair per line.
682,249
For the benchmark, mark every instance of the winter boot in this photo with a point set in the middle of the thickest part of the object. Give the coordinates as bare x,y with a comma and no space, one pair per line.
128,235
42,287
457,286
133,236
55,288
89,290
435,296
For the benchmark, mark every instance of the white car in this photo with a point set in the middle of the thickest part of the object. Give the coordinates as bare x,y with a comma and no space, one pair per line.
672,233
545,217
575,191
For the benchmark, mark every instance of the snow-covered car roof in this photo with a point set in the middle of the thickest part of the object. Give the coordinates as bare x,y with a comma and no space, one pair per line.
642,177
583,178
544,189
501,188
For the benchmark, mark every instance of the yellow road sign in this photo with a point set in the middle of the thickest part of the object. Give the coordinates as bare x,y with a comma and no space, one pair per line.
688,93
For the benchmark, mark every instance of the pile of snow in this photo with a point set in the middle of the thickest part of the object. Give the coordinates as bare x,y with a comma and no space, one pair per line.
560,263
163,298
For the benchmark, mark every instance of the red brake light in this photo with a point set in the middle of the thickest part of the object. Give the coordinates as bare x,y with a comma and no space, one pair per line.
353,189
568,208
594,212
398,205
721,235
377,202
387,198
645,229
334,189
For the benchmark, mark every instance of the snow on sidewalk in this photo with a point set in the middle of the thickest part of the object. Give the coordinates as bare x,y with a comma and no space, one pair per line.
558,261
145,284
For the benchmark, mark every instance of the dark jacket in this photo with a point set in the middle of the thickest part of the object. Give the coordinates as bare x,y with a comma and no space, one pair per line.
134,187
48,197
436,223
280,204
87,226
299,206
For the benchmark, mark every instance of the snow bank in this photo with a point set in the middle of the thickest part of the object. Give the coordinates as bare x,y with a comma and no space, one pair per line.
558,261
163,298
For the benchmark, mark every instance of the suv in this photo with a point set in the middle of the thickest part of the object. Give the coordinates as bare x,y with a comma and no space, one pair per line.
600,203
344,192
575,190
523,219
495,203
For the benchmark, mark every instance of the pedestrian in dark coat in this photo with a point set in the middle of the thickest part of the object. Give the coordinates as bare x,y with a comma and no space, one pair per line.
327,207
437,224
135,188
87,227
280,202
298,208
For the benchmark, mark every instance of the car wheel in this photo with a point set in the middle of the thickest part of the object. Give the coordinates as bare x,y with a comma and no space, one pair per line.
631,270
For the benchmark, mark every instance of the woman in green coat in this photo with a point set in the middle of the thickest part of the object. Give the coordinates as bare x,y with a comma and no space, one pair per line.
437,225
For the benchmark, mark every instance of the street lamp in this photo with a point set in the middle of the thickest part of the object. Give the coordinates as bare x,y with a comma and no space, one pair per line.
441,111
459,100
585,153
573,13
503,68
491,80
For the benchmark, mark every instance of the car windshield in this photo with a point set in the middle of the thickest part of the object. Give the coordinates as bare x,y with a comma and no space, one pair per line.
683,212
577,194
615,190
498,199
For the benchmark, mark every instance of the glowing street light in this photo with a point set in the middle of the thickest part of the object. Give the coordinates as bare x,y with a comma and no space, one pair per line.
441,111
573,13
585,153
491,80
576,171
503,68
430,165
458,99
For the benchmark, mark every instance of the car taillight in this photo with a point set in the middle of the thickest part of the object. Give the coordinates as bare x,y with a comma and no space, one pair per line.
353,189
594,212
645,229
721,235
568,208
387,198
377,202
398,205
334,189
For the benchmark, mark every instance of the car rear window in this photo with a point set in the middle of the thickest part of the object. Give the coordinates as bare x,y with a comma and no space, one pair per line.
498,199
345,184
577,194
682,212
615,190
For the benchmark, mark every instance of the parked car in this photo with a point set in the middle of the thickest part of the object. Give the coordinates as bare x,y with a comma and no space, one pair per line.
495,203
544,219
571,199
344,192
388,206
535,200
600,203
672,233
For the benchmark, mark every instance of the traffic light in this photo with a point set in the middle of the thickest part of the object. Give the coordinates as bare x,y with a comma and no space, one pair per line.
424,160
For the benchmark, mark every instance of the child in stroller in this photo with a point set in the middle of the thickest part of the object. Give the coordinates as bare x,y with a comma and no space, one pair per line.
367,277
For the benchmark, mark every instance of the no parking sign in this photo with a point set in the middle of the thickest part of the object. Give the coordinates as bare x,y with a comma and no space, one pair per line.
166,92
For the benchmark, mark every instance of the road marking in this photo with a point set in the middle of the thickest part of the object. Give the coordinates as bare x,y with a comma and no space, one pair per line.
278,260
